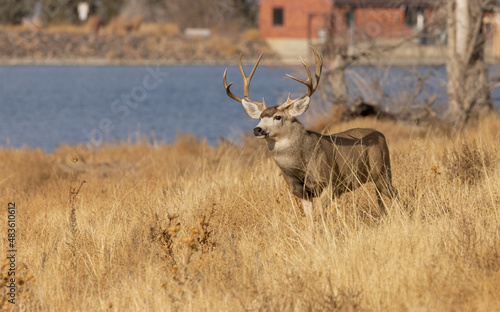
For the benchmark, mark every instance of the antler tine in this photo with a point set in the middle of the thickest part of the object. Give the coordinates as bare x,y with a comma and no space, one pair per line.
246,84
248,79
227,86
245,78
307,82
311,85
319,67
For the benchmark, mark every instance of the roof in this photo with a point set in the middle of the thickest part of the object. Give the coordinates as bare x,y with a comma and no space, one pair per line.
387,3
487,4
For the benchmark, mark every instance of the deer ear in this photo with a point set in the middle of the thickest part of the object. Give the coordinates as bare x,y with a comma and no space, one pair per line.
299,106
251,109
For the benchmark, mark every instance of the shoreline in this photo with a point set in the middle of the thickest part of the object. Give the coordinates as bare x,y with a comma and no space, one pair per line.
272,60
22,47
104,62
107,49
164,62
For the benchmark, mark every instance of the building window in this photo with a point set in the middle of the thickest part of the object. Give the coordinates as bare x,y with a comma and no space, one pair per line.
349,18
278,17
411,16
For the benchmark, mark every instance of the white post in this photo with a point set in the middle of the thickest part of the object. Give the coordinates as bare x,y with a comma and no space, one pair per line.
83,11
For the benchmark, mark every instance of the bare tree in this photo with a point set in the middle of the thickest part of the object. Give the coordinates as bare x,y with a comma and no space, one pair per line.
207,13
339,60
13,11
468,86
345,47
340,57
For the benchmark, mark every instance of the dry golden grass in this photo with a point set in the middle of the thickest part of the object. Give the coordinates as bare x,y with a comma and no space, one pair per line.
66,29
124,24
166,29
190,227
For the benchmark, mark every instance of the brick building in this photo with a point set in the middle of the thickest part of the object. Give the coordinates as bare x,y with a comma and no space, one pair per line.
363,19
290,26
293,18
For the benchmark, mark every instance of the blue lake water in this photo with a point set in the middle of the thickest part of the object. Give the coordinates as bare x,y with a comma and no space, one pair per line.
45,106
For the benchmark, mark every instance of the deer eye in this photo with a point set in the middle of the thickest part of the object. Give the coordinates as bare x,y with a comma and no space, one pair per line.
277,117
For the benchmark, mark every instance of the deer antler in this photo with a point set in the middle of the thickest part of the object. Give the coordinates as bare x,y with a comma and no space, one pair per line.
310,83
246,85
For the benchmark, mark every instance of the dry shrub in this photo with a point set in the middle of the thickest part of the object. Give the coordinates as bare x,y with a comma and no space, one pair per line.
93,24
184,249
221,46
188,144
252,34
167,29
475,241
124,24
22,285
171,29
298,293
116,25
65,28
113,55
468,162
135,23
27,172
228,27
333,298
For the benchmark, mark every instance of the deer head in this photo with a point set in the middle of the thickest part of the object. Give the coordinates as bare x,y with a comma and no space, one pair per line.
276,121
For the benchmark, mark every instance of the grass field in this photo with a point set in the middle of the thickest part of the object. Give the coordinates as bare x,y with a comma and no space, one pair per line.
191,227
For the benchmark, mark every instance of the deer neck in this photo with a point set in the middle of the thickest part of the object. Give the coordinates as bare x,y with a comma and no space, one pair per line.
290,141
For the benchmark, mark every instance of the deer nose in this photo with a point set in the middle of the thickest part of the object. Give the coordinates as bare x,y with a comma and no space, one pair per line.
257,131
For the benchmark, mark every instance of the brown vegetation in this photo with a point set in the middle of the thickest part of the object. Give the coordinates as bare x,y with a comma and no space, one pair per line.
125,41
192,227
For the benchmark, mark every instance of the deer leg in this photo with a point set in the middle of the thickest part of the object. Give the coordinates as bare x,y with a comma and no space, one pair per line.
388,189
325,201
308,210
384,187
380,201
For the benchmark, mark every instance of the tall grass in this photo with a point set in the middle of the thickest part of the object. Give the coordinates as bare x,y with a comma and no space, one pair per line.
191,227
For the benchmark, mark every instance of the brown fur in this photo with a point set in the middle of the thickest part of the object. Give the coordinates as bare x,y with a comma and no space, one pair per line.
269,112
311,162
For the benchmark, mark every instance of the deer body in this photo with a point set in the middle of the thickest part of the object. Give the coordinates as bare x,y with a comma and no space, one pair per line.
312,162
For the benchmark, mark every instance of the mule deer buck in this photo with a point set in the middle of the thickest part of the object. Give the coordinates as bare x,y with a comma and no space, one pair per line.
312,162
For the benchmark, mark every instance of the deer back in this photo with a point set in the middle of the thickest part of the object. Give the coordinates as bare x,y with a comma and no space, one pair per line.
343,160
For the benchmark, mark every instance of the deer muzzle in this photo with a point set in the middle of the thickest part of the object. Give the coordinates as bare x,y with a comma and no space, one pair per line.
259,132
